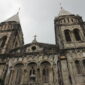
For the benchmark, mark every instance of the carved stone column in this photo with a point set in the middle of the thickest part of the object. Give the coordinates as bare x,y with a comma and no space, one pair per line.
50,76
55,74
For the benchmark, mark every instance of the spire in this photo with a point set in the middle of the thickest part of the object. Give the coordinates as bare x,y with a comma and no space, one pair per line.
61,5
14,18
64,12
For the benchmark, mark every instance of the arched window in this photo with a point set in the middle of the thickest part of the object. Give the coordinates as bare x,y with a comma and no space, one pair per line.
45,71
78,67
45,75
19,72
67,35
19,76
32,72
76,34
32,75
3,41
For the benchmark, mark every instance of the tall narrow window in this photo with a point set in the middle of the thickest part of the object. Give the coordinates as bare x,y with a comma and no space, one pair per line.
32,72
78,67
67,35
19,71
32,75
76,34
45,75
45,71
19,75
3,41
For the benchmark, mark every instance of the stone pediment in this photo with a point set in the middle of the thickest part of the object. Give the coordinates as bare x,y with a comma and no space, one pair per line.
35,47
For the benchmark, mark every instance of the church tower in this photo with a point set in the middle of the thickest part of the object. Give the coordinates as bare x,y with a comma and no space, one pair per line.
69,30
10,34
70,38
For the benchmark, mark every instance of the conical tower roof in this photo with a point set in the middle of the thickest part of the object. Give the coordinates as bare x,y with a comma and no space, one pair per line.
14,18
64,12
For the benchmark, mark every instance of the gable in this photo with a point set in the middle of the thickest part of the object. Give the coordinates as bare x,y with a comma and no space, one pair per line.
35,47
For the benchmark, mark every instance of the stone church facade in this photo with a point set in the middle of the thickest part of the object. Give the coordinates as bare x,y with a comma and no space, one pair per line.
39,63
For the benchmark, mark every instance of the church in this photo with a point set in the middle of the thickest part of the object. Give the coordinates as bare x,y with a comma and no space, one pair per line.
38,63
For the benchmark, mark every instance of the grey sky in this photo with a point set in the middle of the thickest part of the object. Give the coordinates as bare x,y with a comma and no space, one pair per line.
37,16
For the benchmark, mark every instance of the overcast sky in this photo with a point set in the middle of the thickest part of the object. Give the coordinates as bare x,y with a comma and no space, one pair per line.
37,16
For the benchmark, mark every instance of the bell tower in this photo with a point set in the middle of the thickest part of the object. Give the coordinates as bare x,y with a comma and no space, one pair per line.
11,35
69,30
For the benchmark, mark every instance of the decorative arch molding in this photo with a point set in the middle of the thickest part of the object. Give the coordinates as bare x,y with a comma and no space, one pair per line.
19,64
46,61
30,63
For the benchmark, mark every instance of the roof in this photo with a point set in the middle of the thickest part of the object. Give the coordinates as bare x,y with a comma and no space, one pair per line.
64,12
14,18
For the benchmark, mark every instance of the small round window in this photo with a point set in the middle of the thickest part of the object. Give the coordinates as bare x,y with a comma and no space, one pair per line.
34,48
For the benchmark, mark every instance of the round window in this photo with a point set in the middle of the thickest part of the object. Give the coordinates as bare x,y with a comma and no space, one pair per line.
34,48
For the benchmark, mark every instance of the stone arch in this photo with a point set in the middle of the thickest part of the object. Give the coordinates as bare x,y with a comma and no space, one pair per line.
77,34
18,64
30,63
67,34
45,62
